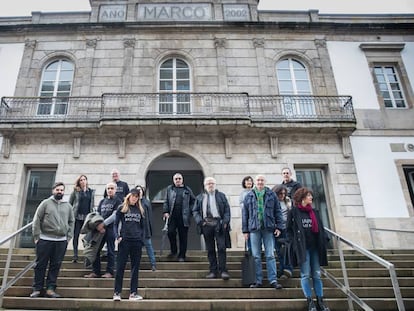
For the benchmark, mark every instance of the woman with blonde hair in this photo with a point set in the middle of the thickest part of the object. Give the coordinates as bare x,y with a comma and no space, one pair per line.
82,201
129,233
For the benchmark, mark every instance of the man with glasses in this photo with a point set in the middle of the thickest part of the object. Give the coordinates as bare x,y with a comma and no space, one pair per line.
289,183
107,208
177,206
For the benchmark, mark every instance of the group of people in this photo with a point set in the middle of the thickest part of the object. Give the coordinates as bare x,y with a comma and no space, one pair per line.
271,218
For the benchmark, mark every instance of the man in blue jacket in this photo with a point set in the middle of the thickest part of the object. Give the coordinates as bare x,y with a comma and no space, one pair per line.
261,221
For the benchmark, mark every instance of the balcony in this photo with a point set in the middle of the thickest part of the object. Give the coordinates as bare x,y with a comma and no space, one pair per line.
185,108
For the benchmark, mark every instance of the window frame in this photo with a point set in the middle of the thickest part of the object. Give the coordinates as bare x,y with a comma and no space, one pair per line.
390,91
55,105
175,97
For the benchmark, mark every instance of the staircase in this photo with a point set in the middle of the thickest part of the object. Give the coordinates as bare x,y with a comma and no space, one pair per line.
182,286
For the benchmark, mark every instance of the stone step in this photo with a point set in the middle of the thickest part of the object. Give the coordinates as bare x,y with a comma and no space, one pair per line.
336,304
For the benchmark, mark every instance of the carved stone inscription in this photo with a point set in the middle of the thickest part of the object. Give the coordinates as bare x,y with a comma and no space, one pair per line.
112,13
175,12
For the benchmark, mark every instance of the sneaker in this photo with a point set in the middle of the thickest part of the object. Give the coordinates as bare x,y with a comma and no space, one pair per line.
255,285
276,285
211,275
225,276
181,259
135,297
107,275
287,273
35,294
154,268
50,293
91,275
117,297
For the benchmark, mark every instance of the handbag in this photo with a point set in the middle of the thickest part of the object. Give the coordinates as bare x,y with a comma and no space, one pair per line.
248,268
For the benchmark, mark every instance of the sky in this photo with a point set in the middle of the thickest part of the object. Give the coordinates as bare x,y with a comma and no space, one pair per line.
25,7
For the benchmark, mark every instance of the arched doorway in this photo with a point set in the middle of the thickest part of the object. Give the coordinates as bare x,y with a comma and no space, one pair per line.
159,177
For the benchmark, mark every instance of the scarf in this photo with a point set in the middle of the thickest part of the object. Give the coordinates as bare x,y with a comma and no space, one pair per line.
308,208
260,204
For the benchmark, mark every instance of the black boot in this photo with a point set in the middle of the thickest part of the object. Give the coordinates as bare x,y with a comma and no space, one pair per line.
321,305
311,304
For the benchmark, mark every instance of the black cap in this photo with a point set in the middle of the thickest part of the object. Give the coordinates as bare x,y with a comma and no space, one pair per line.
134,191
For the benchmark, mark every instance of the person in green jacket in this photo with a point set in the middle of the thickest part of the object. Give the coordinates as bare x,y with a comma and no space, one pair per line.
52,229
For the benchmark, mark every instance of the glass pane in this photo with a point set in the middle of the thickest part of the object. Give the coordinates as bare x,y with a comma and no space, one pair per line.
400,103
67,65
395,86
53,66
166,98
284,64
302,86
183,108
378,70
181,64
388,103
166,85
397,95
64,86
166,108
183,85
166,74
183,97
183,74
383,87
283,75
392,78
286,86
49,75
44,109
167,64
60,108
47,87
380,78
66,75
301,75
296,65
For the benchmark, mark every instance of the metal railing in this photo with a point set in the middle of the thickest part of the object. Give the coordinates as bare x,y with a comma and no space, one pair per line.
177,106
387,230
351,296
7,284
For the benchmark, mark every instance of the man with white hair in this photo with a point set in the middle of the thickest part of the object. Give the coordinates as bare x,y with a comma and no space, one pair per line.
212,214
122,188
262,220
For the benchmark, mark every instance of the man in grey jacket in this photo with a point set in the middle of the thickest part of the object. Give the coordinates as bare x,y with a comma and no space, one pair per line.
52,228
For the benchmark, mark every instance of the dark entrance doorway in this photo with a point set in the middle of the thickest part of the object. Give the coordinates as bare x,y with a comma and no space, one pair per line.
158,178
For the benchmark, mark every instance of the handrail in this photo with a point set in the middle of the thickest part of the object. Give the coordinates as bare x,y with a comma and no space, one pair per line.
345,287
6,285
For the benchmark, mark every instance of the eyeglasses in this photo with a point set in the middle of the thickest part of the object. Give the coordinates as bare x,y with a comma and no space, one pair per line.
177,178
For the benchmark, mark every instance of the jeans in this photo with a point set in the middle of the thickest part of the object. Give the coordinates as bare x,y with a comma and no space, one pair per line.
211,238
267,237
312,268
150,251
48,253
284,263
132,249
109,238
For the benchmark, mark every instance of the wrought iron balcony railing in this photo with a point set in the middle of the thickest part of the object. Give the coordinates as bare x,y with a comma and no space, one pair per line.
177,106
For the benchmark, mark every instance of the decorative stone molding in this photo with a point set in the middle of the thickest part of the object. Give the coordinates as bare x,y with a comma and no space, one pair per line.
258,42
175,140
77,136
228,144
30,44
320,43
129,43
122,145
91,43
220,42
6,146
274,143
346,143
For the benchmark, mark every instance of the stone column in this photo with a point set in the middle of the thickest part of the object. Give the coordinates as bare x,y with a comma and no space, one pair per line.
24,85
220,44
129,45
327,74
258,44
84,77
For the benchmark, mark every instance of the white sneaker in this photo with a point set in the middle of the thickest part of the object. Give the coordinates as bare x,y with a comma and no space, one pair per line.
117,297
135,297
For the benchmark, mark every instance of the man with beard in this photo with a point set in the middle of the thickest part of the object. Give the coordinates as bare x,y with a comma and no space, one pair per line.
53,225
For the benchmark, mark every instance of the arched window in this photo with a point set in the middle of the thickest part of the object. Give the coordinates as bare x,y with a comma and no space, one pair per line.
174,86
57,79
293,79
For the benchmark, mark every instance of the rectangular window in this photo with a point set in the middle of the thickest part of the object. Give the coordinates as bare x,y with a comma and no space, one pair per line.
389,86
409,177
38,187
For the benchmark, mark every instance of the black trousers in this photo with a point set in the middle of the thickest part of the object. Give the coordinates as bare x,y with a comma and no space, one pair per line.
48,253
76,233
211,238
176,224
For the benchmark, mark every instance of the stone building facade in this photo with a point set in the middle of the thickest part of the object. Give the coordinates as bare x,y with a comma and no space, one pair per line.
206,88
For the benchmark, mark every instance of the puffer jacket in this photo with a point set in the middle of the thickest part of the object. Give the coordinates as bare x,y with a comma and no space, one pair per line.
272,214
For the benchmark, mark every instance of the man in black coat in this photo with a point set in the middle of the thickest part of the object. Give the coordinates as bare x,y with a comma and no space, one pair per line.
212,214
